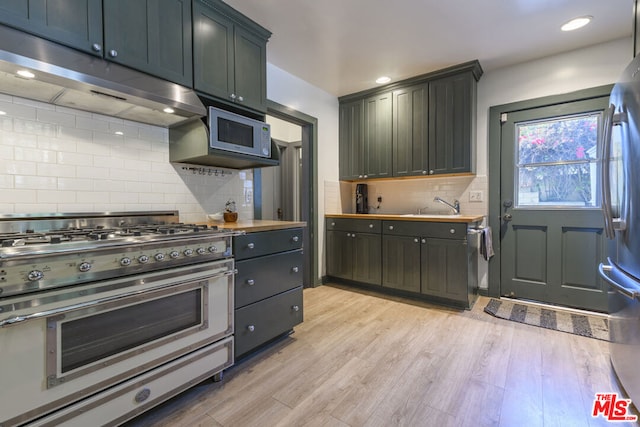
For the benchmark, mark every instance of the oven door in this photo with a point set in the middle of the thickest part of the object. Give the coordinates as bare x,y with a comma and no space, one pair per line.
61,346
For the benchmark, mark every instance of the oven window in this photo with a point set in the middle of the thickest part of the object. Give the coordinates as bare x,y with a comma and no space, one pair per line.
88,339
235,133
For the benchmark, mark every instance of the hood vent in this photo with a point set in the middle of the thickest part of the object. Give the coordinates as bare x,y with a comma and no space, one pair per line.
66,77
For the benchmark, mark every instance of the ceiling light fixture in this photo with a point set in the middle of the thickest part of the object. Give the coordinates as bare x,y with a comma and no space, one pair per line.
119,133
169,110
576,23
2,113
26,74
383,80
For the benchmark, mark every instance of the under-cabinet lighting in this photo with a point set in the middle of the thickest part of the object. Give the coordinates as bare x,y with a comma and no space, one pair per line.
26,74
169,110
383,80
576,23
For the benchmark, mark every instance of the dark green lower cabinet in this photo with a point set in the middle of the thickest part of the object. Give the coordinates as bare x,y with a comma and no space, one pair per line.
354,256
339,255
401,263
445,261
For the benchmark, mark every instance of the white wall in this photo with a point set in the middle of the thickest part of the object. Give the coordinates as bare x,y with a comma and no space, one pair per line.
289,90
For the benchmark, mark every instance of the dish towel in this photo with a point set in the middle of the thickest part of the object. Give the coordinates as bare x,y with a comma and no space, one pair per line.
486,243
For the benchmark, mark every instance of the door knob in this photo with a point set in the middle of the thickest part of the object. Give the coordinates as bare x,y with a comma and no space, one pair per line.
507,217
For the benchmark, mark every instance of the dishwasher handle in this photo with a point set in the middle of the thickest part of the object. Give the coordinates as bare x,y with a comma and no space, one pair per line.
629,287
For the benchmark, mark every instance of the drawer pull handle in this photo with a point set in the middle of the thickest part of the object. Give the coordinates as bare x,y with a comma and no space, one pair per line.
295,238
295,269
391,227
251,328
415,240
295,308
251,246
424,240
452,231
370,225
333,224
251,282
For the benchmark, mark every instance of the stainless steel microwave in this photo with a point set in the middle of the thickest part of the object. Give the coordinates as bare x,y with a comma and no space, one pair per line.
239,134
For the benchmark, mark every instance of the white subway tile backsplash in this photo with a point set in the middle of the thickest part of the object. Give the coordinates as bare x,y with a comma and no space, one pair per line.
57,159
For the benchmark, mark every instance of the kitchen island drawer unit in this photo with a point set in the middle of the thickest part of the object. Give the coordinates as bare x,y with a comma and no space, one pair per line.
268,286
260,322
262,277
253,245
354,250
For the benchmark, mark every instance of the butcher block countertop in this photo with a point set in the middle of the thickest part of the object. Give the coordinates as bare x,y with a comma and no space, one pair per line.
253,225
411,217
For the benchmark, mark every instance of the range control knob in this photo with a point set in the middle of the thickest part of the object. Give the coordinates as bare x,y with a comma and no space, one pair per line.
174,254
188,252
201,251
143,259
159,256
213,249
35,275
84,266
125,261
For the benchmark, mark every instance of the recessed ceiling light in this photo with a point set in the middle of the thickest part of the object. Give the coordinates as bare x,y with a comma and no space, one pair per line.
383,80
169,110
119,132
26,74
576,23
2,113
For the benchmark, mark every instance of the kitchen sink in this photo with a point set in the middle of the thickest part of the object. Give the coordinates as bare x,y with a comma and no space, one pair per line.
431,215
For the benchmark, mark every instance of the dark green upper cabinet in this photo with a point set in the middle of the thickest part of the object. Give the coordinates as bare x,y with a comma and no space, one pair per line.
365,138
451,124
351,131
75,23
431,119
154,36
230,56
411,130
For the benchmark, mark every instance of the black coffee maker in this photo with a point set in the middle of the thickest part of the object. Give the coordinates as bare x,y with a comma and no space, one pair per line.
362,199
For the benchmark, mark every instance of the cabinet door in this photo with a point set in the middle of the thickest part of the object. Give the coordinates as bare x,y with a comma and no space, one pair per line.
377,136
450,123
367,258
445,268
250,73
411,130
339,254
401,263
350,139
152,36
75,23
213,55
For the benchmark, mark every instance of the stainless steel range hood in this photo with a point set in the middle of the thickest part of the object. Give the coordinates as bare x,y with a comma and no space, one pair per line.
66,77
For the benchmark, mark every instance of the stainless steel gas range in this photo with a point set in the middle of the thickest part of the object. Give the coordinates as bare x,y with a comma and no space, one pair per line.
103,316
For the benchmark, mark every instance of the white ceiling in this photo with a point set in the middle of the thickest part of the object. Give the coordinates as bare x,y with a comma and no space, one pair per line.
342,46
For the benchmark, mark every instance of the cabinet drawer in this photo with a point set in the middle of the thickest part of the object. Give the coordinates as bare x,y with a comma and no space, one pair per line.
441,230
355,225
262,277
259,322
266,242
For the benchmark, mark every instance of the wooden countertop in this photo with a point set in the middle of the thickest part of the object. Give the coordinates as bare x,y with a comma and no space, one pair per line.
401,217
253,225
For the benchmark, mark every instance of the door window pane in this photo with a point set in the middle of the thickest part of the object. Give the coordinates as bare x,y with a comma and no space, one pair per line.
557,162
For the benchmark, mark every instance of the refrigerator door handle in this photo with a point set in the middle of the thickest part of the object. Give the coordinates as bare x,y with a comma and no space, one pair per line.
627,291
605,183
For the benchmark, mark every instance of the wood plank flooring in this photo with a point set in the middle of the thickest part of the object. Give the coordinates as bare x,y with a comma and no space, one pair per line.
362,359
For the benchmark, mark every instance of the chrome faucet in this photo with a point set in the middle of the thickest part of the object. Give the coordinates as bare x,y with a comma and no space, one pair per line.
455,206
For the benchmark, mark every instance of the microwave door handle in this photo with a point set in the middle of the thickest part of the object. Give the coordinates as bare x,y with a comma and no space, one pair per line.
605,176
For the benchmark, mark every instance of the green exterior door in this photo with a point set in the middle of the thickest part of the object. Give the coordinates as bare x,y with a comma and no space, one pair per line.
377,136
152,36
411,131
401,262
551,232
75,23
450,107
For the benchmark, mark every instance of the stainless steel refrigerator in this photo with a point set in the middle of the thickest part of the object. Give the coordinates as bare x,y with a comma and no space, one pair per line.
621,206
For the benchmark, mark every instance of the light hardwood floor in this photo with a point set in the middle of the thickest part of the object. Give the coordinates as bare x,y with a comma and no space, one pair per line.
362,359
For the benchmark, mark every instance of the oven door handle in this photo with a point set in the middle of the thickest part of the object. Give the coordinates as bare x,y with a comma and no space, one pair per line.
57,311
